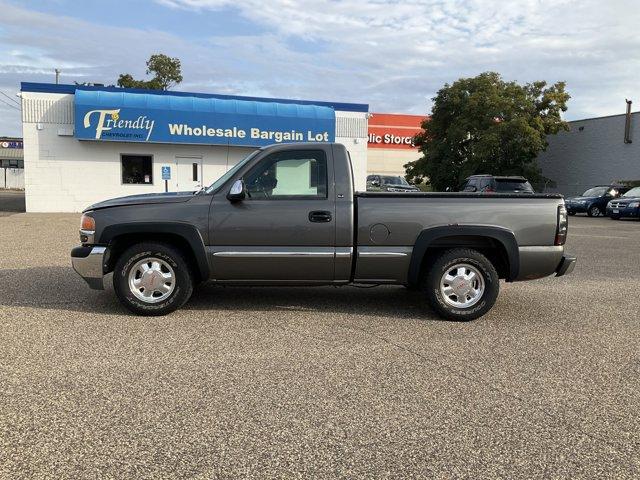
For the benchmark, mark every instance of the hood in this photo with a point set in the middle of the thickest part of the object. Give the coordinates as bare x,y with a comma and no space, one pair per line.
144,199
580,199
401,186
625,200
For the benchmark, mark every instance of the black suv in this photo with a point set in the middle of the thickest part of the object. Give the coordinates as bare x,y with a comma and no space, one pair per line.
492,183
594,201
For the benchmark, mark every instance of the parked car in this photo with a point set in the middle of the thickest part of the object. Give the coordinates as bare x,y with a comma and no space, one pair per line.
497,184
594,201
627,205
389,183
288,215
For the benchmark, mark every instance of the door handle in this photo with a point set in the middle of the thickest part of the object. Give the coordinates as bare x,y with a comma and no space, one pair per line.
320,216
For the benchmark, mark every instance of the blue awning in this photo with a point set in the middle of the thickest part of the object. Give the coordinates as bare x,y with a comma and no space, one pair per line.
137,117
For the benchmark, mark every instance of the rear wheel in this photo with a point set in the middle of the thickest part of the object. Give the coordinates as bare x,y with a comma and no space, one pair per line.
152,279
594,211
461,285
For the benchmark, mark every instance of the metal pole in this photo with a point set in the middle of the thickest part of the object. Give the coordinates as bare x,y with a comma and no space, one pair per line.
627,123
57,75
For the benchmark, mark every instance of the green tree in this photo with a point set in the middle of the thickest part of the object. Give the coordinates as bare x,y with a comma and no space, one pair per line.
486,125
167,73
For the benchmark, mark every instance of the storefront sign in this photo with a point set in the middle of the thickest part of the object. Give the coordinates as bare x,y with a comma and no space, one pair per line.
393,131
133,117
11,144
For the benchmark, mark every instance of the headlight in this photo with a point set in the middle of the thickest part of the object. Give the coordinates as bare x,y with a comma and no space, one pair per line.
87,229
634,205
87,223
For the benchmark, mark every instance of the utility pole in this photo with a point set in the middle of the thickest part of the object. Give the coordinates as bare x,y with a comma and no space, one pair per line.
57,75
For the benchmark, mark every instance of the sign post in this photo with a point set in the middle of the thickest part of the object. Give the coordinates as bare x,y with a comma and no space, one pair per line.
166,176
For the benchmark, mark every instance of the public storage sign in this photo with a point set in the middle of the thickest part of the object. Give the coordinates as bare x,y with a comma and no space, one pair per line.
393,131
138,117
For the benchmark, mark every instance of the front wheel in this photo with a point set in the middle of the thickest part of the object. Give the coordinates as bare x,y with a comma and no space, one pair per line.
152,279
594,211
461,285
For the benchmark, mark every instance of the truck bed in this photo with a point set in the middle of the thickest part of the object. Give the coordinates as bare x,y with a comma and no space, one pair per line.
388,225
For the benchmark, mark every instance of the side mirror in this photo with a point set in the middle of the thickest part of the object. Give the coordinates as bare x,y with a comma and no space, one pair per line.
237,192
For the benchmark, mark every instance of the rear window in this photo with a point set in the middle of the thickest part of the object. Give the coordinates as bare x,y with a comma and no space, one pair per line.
508,185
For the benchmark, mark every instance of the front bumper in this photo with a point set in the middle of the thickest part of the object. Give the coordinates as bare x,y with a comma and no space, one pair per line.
623,212
566,265
88,263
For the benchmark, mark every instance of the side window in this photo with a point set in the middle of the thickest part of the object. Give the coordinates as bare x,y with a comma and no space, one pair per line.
485,183
291,174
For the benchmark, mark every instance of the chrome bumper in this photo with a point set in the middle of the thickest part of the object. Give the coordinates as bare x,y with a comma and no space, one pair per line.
88,263
566,266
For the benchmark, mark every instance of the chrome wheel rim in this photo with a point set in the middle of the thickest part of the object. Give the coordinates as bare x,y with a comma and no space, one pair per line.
462,285
595,211
152,280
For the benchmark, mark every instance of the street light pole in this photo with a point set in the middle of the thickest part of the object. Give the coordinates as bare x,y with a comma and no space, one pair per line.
57,75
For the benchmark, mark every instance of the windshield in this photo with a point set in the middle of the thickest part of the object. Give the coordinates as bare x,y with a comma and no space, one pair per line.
634,192
389,180
513,186
595,192
230,173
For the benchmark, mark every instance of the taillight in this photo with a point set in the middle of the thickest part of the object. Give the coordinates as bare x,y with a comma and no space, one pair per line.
563,226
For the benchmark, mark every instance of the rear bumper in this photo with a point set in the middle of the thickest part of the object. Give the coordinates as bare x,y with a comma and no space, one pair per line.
566,265
88,263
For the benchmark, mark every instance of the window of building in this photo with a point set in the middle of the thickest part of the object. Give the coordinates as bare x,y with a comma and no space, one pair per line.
292,174
137,169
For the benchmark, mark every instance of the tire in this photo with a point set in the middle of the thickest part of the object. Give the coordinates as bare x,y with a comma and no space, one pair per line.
594,211
471,261
169,287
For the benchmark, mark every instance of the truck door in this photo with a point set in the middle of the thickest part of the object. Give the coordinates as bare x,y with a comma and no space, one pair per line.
284,230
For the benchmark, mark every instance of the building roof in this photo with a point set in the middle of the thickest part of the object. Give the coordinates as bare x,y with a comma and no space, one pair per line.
71,89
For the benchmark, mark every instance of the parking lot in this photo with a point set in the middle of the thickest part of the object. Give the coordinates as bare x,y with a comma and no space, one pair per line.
318,382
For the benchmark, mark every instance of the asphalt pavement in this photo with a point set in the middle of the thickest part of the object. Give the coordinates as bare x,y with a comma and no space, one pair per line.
319,382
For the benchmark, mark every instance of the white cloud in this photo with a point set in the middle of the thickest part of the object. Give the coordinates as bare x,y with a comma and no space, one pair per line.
393,55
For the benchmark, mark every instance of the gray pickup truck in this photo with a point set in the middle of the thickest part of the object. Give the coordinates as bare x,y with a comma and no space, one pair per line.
288,215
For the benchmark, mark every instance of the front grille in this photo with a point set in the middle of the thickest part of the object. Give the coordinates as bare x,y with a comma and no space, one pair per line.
618,205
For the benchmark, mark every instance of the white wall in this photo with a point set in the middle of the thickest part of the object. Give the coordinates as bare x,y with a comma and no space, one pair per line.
63,174
352,132
390,161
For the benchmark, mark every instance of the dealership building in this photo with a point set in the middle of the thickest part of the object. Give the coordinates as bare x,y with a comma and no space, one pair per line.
84,144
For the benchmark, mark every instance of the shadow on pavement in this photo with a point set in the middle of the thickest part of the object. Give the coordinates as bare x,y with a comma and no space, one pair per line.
11,201
57,287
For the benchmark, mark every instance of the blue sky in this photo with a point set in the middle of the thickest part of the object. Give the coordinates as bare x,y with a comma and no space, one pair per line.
391,54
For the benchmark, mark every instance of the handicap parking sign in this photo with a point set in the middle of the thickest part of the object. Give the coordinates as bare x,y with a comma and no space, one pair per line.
166,172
